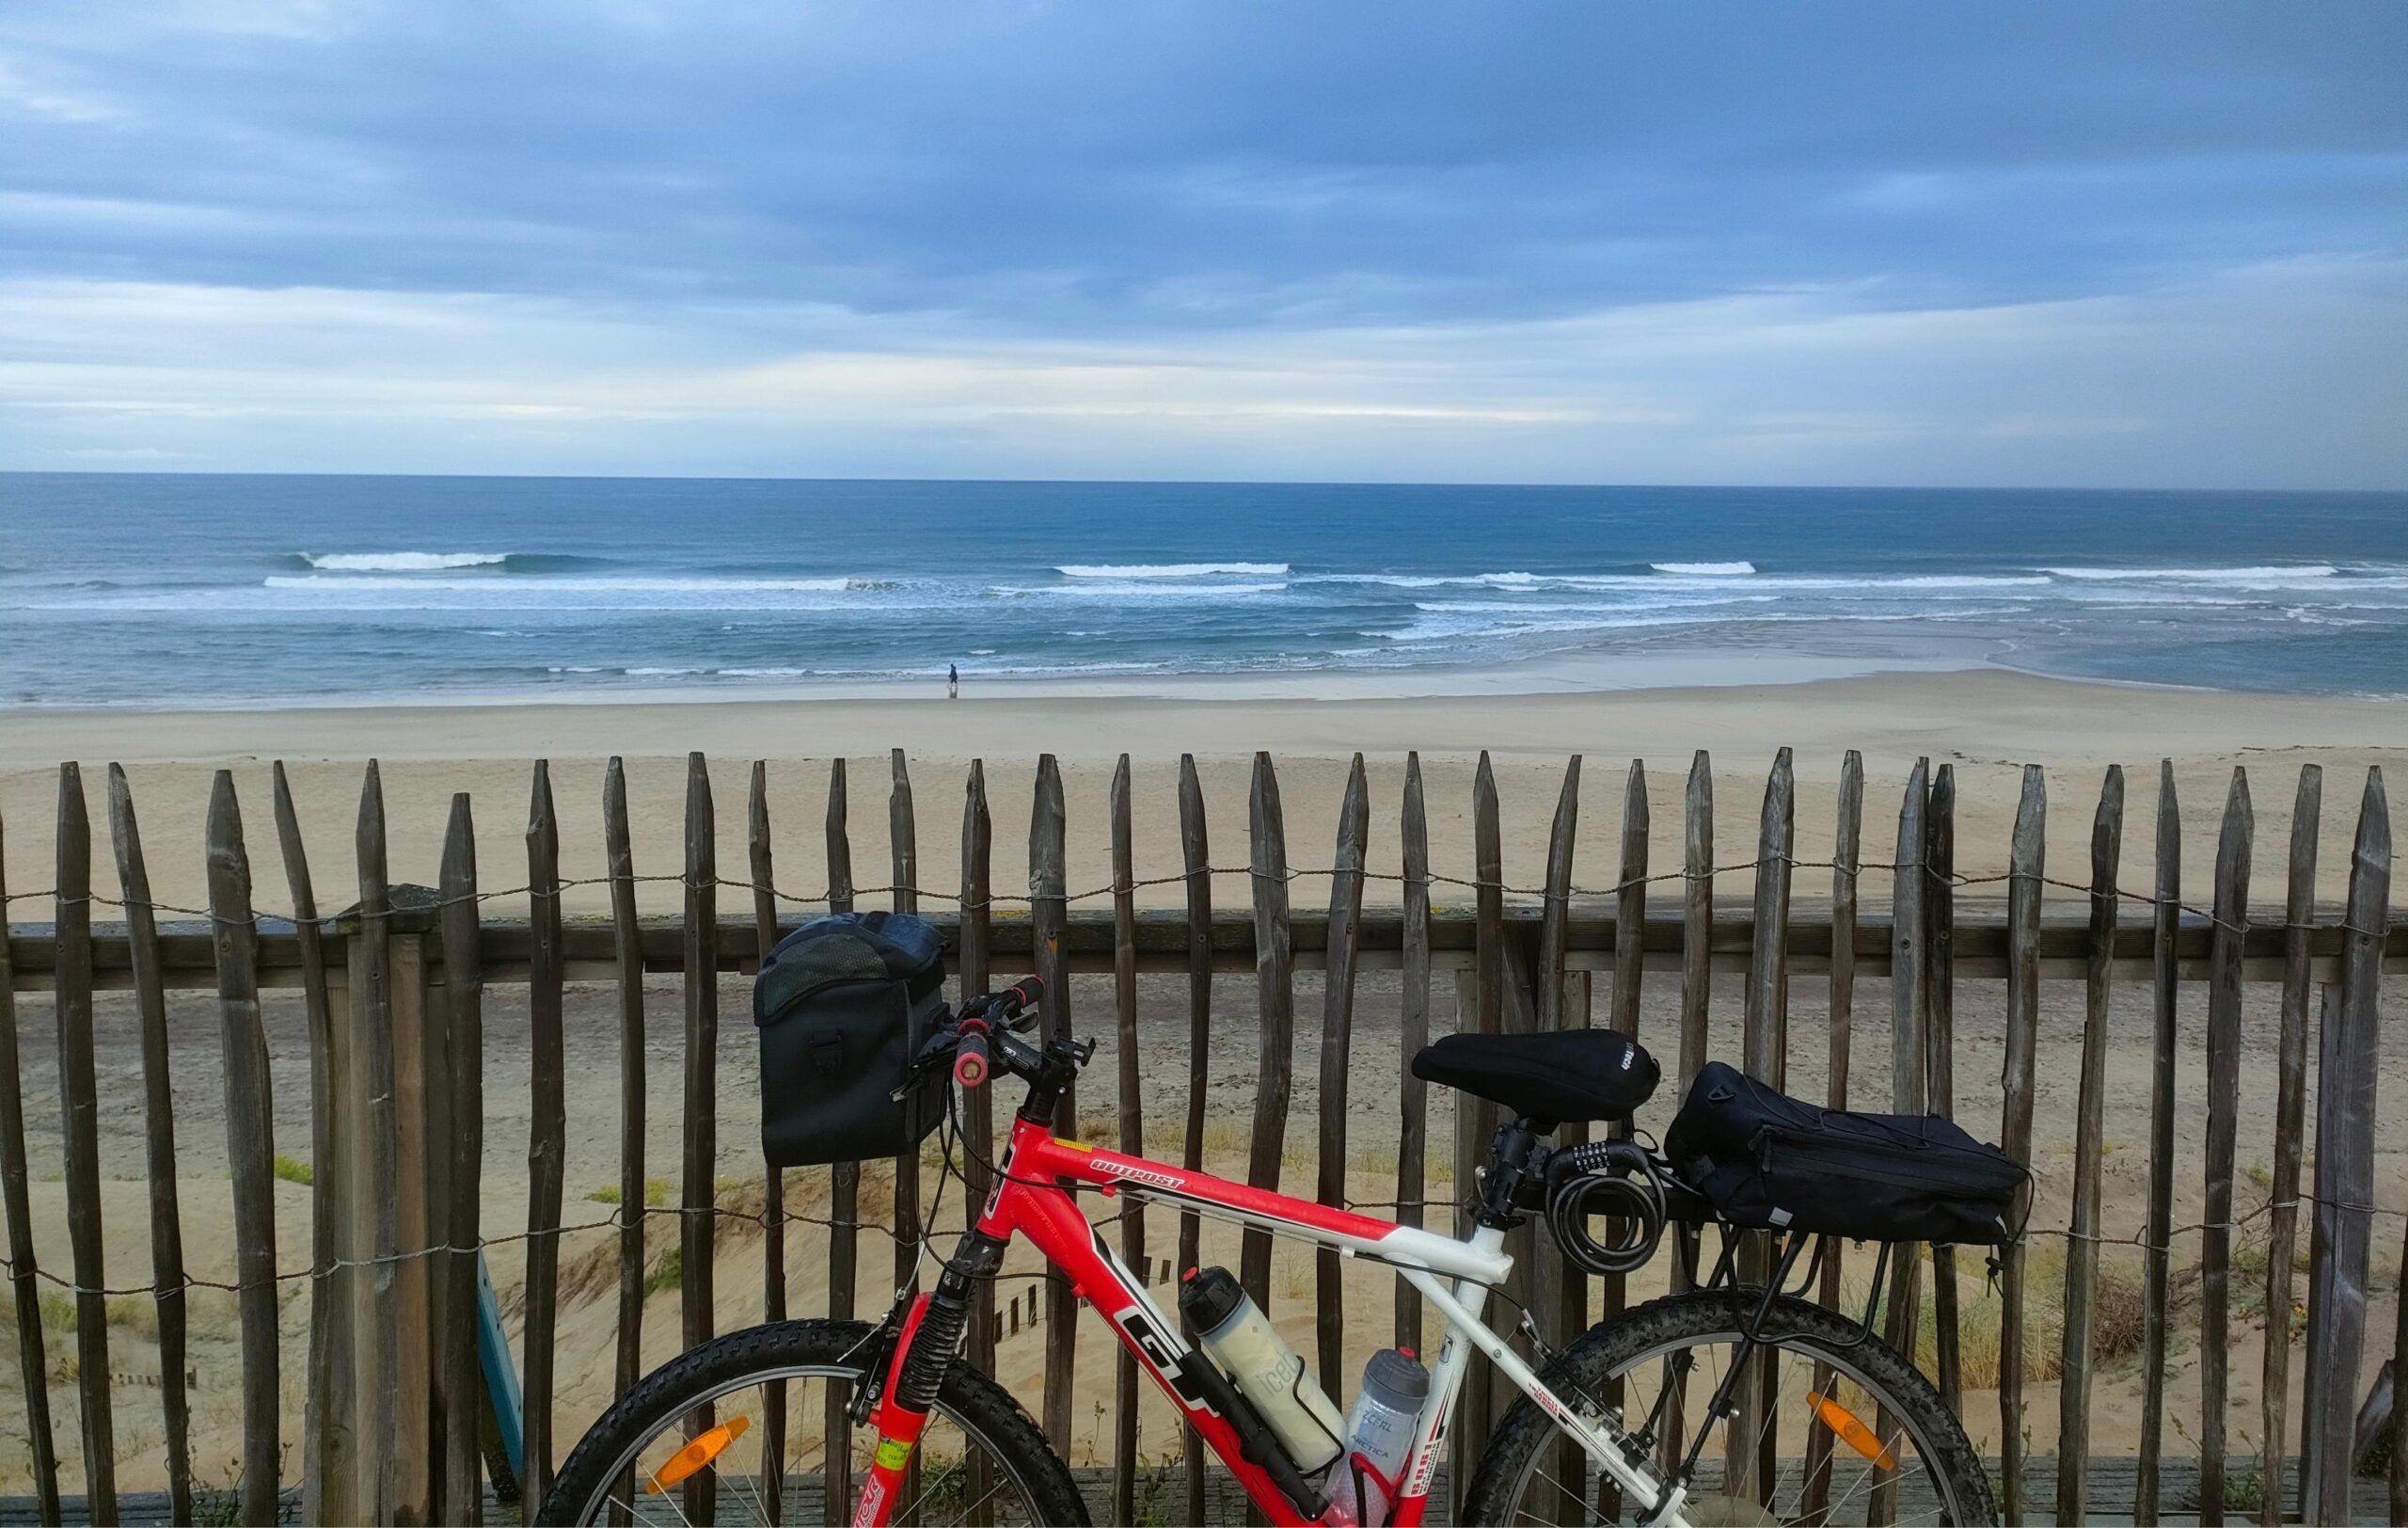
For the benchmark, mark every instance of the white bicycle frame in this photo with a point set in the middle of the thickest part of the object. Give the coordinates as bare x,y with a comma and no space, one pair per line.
1455,1277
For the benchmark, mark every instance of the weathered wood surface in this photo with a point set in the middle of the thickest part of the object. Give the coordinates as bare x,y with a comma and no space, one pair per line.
1765,1057
619,856
324,1458
2026,869
2164,983
1413,1002
2223,1108
547,1125
1909,933
844,1186
79,1124
1047,892
250,1145
1847,834
2291,1116
1275,999
1481,1011
1560,1290
2342,1226
1940,1056
904,851
698,1221
2082,1247
1196,863
1337,1054
159,1141
462,1496
1132,1120
33,1363
761,859
376,1184
978,1104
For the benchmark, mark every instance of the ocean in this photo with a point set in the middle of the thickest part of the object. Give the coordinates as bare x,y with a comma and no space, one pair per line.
140,590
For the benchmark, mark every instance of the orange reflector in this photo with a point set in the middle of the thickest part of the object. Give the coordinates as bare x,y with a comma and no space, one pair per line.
1850,1430
696,1454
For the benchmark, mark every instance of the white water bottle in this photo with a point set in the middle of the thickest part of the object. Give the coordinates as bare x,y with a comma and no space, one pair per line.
1379,1434
1235,1334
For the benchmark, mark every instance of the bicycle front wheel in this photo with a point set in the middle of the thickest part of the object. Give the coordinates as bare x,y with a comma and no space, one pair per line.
1852,1433
750,1429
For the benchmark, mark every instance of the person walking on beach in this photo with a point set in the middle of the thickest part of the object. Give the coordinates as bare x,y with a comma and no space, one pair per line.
952,681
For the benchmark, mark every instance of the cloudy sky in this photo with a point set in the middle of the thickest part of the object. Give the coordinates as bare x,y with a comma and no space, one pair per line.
2090,244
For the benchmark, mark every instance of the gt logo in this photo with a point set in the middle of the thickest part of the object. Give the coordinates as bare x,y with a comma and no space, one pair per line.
1164,1352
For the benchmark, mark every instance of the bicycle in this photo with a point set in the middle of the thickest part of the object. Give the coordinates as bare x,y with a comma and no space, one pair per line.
913,1434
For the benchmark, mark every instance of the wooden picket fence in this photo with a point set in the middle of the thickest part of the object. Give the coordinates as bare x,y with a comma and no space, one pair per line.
394,991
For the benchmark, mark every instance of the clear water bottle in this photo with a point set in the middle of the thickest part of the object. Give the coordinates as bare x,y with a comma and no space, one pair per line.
1379,1434
1236,1335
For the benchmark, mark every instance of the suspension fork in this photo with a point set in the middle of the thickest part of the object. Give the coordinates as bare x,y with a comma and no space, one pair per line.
925,1348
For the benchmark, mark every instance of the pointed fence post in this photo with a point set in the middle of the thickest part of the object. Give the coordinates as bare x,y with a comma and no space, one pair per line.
904,852
1909,931
626,944
1049,912
377,1194
844,1194
1196,868
698,1228
1939,1059
547,1123
773,1183
79,1122
1846,848
326,1476
2223,1108
2082,1247
1413,1131
1131,1121
1337,1058
2342,1224
159,1135
1275,981
2026,868
33,1362
250,1143
462,1498
2291,1117
2156,1263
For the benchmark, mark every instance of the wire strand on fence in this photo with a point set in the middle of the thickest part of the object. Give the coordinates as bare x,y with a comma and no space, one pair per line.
1956,879
620,1219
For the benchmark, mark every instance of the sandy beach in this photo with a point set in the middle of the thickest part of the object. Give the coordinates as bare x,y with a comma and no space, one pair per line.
1986,722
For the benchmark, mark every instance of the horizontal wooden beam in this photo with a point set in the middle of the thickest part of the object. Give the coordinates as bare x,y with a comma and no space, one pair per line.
187,961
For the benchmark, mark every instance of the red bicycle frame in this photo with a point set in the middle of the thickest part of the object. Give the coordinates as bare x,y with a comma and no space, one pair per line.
1029,1199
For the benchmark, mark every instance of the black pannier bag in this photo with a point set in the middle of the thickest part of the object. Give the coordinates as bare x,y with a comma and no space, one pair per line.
843,1004
1765,1160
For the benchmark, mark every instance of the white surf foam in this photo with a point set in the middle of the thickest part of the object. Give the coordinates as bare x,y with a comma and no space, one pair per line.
402,562
1173,571
2200,575
1706,570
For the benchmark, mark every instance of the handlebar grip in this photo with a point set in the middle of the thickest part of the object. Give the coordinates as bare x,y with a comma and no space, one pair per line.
969,1064
1028,991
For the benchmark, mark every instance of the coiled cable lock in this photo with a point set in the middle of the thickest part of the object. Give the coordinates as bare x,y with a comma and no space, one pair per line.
1612,1179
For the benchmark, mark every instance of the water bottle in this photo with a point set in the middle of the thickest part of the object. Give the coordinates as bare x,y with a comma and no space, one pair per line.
1237,1336
1379,1434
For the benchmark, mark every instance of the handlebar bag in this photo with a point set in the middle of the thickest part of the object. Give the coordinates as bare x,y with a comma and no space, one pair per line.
1765,1160
843,1004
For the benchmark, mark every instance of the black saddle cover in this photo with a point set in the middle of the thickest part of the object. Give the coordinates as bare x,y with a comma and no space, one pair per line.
1550,1078
1762,1158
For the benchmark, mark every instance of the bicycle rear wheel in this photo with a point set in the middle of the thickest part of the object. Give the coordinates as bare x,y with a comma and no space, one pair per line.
1854,1433
765,1406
